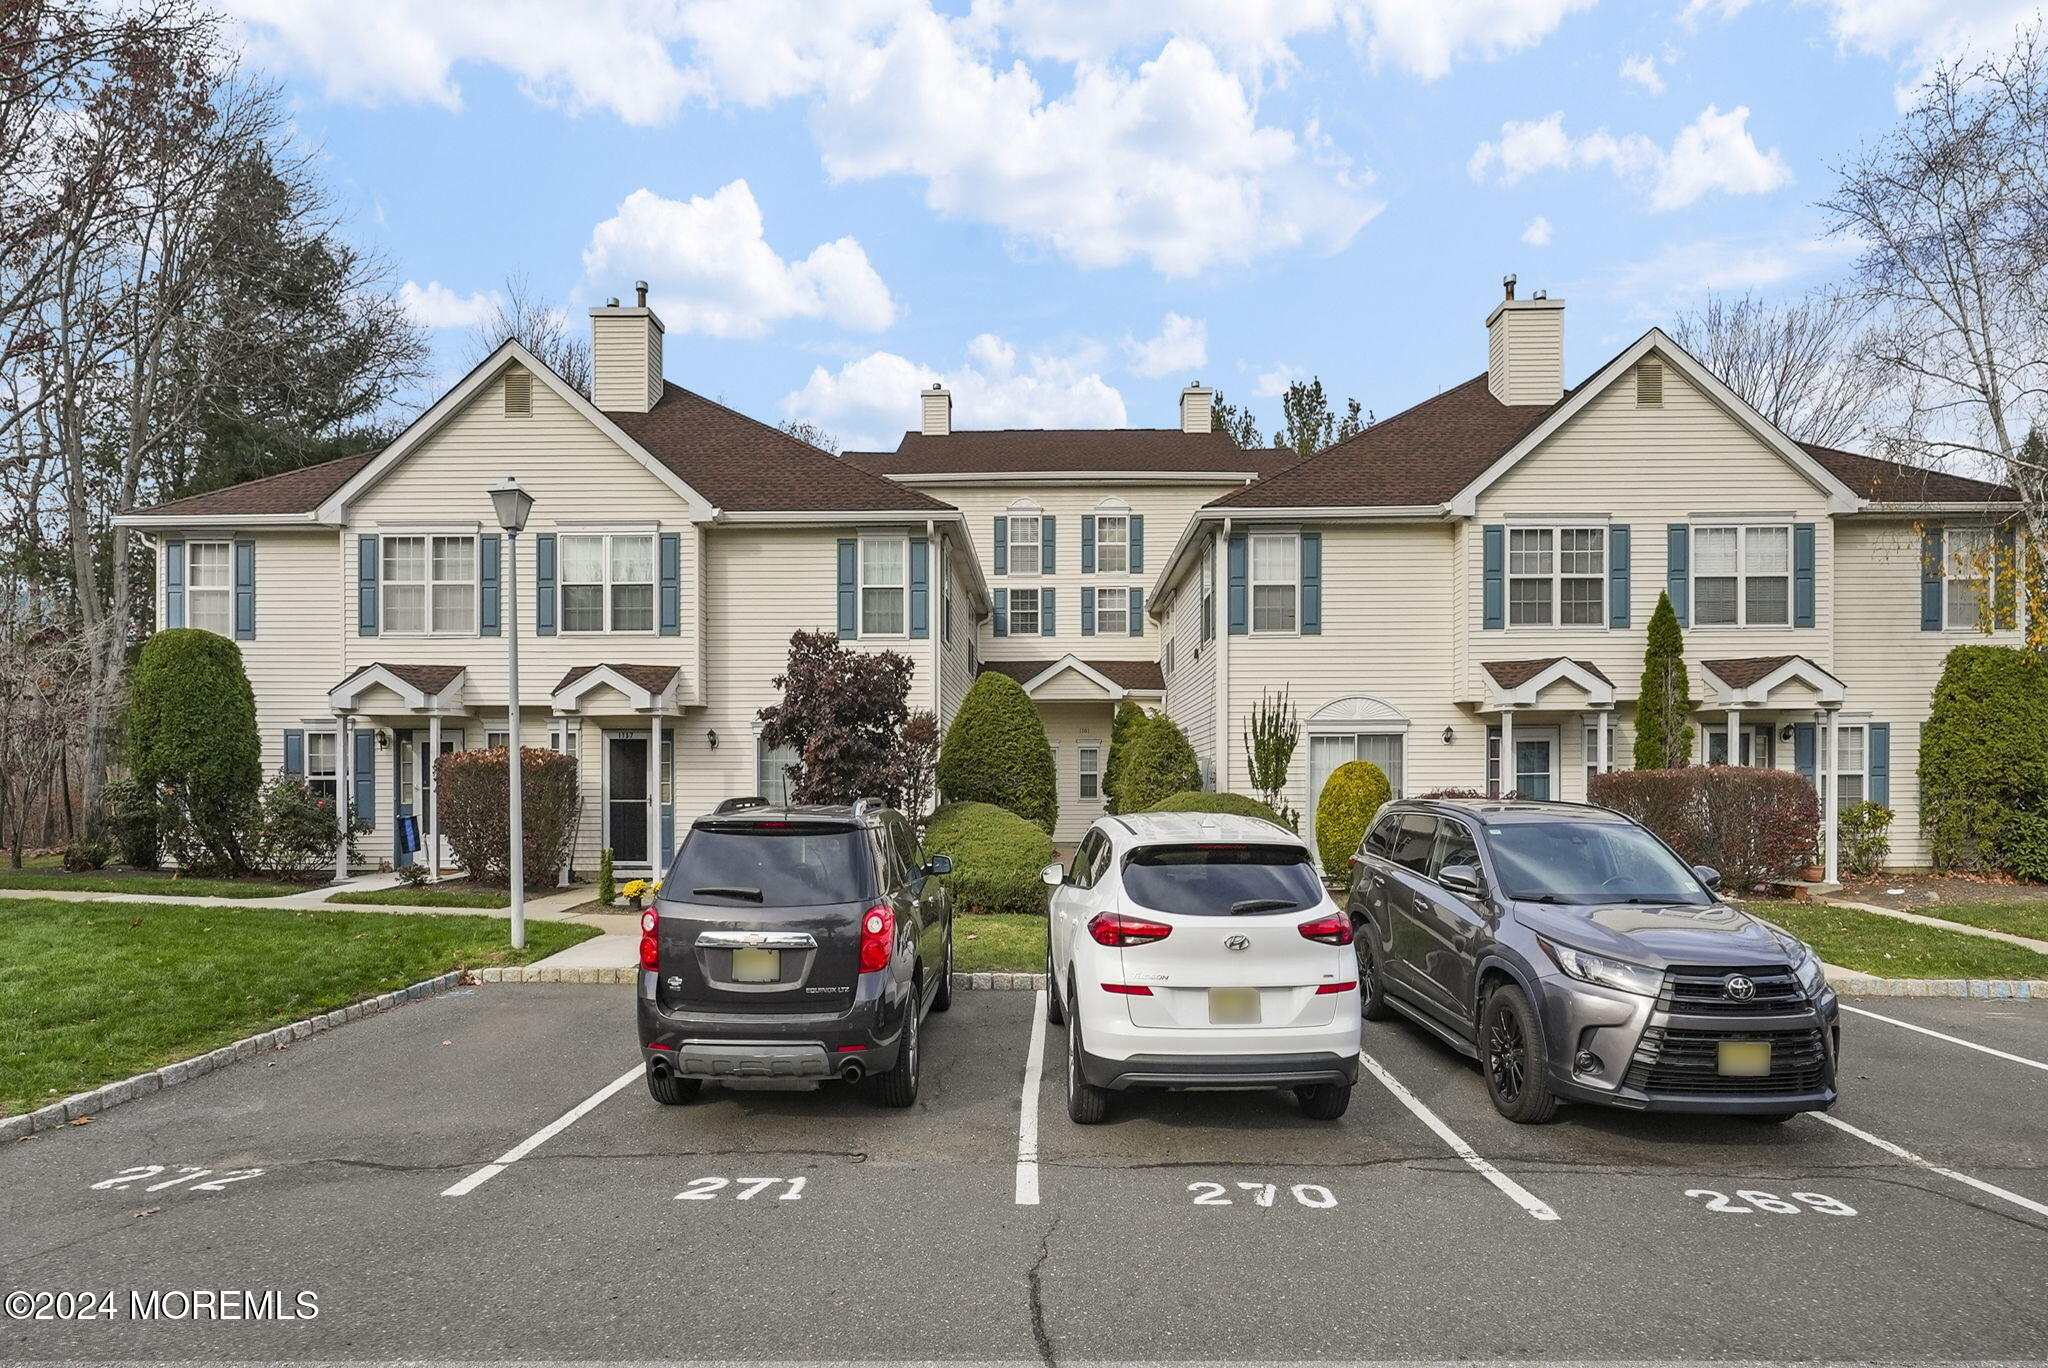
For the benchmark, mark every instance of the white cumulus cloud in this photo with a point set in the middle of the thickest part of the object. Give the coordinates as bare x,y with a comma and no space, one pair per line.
709,262
1182,345
434,305
1426,38
1537,234
1714,153
1642,71
1680,273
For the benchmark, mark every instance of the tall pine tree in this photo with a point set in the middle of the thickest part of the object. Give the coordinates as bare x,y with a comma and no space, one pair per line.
1664,704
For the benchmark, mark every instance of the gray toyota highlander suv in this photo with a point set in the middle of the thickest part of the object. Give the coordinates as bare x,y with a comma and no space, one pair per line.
1578,958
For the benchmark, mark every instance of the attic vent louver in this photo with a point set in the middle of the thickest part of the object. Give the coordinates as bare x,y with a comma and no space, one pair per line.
518,394
1650,384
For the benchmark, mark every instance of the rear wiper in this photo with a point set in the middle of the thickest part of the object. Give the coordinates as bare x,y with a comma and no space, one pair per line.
1251,905
750,894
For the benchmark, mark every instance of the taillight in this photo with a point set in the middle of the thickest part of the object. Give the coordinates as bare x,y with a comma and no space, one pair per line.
877,939
1325,989
650,944
1334,930
1127,989
1113,928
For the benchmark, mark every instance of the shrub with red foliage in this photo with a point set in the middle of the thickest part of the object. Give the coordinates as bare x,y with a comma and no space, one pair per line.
1754,825
476,811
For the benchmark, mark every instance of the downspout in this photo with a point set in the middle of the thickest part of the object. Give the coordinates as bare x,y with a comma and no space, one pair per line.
935,569
1223,657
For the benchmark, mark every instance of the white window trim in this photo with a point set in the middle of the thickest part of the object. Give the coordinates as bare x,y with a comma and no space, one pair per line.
1497,762
1556,576
333,774
1988,599
1037,611
861,586
1103,594
1861,773
1034,563
1122,518
226,592
1742,575
1252,584
607,536
1083,772
476,591
1206,629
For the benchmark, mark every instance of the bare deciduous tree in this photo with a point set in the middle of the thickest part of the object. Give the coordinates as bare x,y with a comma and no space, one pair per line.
540,327
1801,364
806,431
45,683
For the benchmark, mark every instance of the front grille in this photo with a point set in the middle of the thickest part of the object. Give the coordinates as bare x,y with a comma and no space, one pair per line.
1698,991
1668,1060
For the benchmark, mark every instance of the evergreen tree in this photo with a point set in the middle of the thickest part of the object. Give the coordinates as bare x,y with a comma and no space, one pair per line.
1239,423
1310,425
1664,704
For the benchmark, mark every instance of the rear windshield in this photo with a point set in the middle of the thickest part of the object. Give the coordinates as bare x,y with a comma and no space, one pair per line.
771,864
1222,880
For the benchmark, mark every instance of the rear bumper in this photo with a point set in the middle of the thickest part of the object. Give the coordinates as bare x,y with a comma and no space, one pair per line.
798,1046
1219,1071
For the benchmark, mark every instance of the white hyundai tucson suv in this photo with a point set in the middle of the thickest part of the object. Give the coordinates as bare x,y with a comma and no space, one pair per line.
1191,950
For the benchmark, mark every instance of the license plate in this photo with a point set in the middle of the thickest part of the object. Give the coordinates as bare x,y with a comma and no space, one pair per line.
1233,1006
1746,1058
756,966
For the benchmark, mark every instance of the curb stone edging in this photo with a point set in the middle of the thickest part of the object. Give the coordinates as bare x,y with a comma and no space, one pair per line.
1848,983
628,977
142,1085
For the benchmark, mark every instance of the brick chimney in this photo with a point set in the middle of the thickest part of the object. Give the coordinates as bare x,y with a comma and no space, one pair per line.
1525,348
1197,408
938,411
625,355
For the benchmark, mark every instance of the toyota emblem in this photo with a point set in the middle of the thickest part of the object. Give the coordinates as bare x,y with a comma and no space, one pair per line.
1237,942
1739,989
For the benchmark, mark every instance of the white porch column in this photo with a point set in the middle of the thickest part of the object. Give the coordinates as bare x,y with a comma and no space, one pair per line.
432,787
654,796
1734,735
341,793
572,746
1605,763
1506,783
1830,796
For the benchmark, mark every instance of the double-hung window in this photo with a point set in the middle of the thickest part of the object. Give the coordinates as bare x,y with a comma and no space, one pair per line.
771,771
1112,544
1112,612
607,581
210,587
1276,582
946,608
1852,765
1557,576
429,585
1091,771
1024,554
1967,570
1023,612
1208,630
321,771
884,581
1742,576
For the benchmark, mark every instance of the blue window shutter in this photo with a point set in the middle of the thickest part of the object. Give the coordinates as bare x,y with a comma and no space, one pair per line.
1802,574
1002,606
671,584
1137,612
490,583
174,584
1087,611
245,590
295,751
1678,570
1493,594
1045,620
849,588
1805,750
1617,576
920,587
1137,525
1002,546
1087,545
1240,619
366,586
2005,575
1877,757
363,779
544,584
1930,579
1311,583
1048,556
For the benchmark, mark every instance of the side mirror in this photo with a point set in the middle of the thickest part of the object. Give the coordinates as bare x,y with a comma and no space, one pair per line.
1053,875
1707,875
1461,879
939,864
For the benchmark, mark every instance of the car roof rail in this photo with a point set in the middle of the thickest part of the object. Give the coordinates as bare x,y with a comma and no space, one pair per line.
863,806
735,804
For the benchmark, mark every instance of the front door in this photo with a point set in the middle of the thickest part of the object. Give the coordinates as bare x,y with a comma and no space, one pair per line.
417,783
625,799
1535,774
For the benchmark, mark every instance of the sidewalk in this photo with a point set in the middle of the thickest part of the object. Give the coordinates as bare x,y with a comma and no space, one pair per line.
2025,942
554,905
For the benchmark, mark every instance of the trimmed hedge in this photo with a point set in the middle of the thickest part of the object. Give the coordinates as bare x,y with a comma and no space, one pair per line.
1127,716
1984,758
1357,789
192,741
1229,804
1157,763
996,752
1753,825
476,811
996,858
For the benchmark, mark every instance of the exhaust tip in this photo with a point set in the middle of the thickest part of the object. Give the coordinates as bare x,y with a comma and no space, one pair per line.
851,1071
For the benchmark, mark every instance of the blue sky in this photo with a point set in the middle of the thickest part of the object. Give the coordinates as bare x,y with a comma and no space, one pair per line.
1069,209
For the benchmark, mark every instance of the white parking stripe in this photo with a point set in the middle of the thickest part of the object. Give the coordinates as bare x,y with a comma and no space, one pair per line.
1897,1151
543,1135
1524,1198
1027,1111
1953,1040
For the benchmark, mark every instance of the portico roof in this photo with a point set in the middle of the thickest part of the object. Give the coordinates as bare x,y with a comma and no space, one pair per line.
1115,677
646,687
1519,683
423,688
1752,679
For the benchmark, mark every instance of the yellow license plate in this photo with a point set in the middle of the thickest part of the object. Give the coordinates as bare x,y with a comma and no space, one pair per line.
756,966
1745,1058
1233,1006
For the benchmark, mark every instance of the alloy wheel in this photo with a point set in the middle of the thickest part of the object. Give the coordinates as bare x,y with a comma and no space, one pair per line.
1506,1055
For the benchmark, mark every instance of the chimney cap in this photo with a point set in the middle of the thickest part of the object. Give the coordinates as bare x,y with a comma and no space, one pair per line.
640,293
1508,284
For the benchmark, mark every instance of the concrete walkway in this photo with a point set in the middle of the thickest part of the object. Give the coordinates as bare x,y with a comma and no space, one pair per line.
554,905
2025,942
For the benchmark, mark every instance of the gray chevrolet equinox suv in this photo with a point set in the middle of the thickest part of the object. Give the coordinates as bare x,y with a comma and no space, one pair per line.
1578,958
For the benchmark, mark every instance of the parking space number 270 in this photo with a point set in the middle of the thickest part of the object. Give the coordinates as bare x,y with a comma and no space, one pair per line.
1313,1195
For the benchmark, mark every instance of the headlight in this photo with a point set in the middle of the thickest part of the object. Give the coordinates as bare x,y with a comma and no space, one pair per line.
1608,973
1805,965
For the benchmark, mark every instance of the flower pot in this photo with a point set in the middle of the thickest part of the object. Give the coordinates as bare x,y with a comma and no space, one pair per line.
1813,873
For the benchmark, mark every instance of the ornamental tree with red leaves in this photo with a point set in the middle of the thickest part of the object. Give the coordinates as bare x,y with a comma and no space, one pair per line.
842,712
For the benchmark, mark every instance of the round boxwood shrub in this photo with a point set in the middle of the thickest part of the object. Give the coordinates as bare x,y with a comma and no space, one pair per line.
192,741
1157,763
1983,754
1229,804
996,857
1356,790
996,752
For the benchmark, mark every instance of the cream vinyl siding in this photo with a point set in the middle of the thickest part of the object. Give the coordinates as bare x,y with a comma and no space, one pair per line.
1525,352
956,658
626,360
1191,688
1069,725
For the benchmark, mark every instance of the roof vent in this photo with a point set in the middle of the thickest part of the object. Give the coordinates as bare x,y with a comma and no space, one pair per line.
1507,283
518,393
639,294
1650,384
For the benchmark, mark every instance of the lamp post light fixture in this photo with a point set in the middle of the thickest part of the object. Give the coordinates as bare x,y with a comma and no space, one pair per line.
512,505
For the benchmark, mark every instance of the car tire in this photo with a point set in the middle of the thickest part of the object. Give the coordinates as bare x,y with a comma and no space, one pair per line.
897,1087
1055,1010
942,1001
1372,988
1324,1101
1087,1105
1512,1056
665,1088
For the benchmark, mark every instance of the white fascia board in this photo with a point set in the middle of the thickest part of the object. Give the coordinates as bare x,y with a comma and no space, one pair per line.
1599,692
1874,508
1080,667
1065,477
1826,687
334,508
570,698
1841,499
211,522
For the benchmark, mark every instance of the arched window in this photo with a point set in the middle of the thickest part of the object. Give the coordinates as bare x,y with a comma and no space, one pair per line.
1359,727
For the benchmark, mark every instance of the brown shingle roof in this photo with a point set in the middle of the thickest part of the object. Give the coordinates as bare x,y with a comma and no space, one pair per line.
745,466
1512,674
1142,675
294,491
653,678
1023,450
1881,481
1747,670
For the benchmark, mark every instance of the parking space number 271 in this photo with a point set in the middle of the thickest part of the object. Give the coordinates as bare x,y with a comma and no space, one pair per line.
741,1189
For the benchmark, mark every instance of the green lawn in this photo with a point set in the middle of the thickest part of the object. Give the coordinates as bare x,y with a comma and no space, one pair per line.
999,943
91,992
1891,948
52,878
2028,918
463,896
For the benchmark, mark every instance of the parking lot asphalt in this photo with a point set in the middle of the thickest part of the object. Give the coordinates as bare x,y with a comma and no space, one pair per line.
1190,1227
